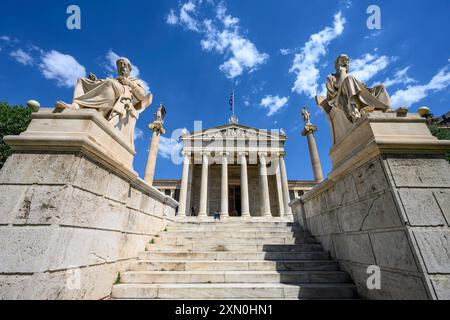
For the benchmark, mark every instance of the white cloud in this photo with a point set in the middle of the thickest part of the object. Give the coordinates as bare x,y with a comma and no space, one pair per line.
400,77
285,52
273,103
5,38
172,18
62,68
169,147
221,35
368,66
304,64
22,57
413,94
138,134
111,67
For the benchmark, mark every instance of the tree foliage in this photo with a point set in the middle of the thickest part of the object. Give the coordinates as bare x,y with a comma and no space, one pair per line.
441,134
13,121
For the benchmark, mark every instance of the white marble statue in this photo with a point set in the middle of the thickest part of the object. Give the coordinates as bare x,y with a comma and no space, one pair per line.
347,93
119,100
306,115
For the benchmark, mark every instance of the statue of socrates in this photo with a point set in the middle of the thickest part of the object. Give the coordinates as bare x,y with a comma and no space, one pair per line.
347,93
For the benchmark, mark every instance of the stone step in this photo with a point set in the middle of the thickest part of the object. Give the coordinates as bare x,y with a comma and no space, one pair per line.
236,265
230,234
242,224
236,240
235,229
233,290
235,277
168,255
235,247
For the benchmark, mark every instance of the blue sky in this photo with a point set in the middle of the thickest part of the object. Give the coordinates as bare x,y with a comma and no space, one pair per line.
192,53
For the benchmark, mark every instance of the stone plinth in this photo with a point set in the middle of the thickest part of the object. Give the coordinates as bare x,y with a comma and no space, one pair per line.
385,204
75,131
73,213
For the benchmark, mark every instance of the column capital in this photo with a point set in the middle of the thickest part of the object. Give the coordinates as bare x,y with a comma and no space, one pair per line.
282,154
186,153
242,153
157,126
262,154
309,129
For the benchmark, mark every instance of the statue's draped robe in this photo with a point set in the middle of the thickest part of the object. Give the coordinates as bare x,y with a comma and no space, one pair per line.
353,91
119,104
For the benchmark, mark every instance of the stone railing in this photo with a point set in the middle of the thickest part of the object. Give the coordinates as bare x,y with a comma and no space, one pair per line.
386,204
73,213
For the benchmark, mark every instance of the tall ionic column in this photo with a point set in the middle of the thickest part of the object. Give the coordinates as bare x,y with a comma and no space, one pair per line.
244,186
264,185
157,127
280,192
285,186
308,131
224,188
204,187
184,184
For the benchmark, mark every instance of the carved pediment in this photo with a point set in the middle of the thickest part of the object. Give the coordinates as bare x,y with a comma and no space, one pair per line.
233,132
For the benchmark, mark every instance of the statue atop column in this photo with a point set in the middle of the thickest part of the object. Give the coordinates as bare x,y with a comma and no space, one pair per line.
158,123
119,100
348,94
306,115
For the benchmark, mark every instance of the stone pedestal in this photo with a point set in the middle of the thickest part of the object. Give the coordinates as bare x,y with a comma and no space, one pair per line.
385,204
73,213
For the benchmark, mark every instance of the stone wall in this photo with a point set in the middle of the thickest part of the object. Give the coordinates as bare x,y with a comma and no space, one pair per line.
391,210
68,225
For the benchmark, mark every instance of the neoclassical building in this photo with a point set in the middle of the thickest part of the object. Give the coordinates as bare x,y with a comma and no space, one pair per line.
235,170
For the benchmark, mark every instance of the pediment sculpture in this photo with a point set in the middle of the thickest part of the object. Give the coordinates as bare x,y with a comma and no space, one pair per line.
120,100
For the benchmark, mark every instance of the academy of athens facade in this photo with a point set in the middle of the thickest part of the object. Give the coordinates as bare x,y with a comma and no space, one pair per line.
231,158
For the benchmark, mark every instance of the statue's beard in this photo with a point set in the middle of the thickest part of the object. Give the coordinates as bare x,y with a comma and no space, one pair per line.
124,73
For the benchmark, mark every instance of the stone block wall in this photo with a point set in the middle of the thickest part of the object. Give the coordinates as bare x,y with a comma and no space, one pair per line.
68,225
392,212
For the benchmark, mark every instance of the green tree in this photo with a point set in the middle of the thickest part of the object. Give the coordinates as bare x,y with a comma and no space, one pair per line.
13,121
441,134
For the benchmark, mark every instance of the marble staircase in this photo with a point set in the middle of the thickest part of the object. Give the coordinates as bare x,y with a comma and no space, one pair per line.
234,259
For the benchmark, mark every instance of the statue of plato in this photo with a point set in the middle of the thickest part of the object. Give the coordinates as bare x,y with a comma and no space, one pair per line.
119,100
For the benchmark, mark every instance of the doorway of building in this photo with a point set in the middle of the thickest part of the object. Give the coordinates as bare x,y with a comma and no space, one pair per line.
234,201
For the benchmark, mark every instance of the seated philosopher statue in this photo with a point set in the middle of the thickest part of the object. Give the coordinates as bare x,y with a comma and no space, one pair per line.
348,94
119,100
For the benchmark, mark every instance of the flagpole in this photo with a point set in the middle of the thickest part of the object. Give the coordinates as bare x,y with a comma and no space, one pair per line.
234,97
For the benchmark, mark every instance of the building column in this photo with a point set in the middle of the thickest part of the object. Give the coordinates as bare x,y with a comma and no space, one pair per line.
158,129
308,131
285,186
204,187
184,184
264,185
152,155
280,192
224,189
244,186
